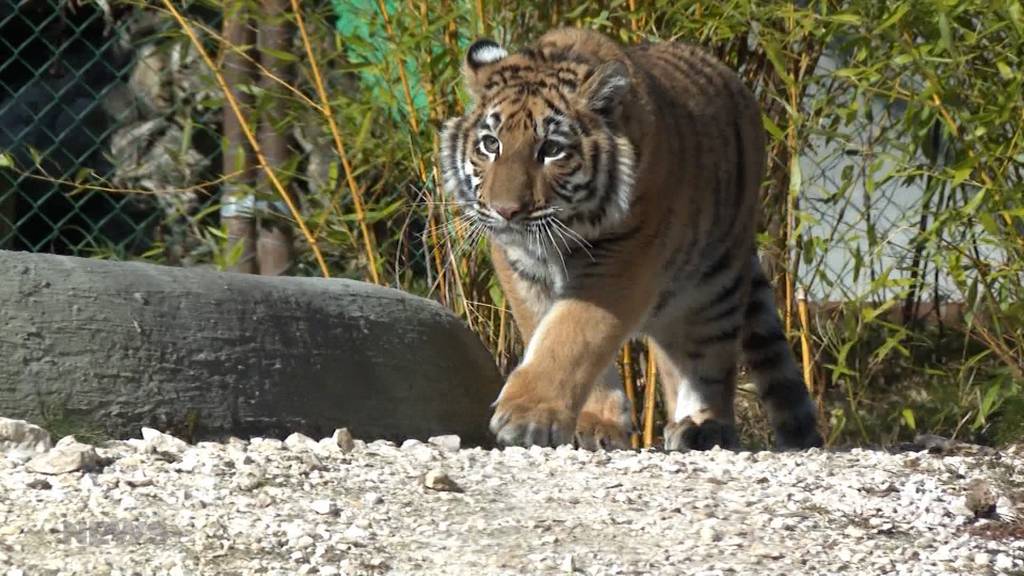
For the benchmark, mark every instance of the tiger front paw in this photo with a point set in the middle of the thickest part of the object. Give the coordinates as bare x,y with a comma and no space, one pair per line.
525,414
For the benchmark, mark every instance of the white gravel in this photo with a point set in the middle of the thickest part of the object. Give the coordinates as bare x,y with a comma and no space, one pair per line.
160,506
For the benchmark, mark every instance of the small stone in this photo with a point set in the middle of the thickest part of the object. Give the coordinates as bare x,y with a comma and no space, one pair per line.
265,445
66,441
137,481
411,442
758,549
188,463
161,442
23,436
323,507
1003,562
440,481
372,499
423,453
298,441
247,479
66,459
447,442
39,484
854,532
355,534
569,564
982,558
981,499
343,438
709,534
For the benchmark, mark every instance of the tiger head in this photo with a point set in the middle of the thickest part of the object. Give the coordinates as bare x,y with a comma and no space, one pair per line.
542,141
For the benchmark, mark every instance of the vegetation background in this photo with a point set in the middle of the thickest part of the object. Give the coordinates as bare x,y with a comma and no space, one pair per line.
893,206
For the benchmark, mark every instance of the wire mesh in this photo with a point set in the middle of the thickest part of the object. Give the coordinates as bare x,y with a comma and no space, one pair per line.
61,79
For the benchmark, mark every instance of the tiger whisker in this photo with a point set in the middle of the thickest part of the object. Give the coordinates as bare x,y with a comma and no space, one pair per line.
547,229
575,237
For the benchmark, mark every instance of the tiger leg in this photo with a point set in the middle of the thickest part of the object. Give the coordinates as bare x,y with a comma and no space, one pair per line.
774,370
604,421
574,343
698,378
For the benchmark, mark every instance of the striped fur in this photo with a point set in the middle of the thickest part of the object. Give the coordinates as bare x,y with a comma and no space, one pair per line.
619,187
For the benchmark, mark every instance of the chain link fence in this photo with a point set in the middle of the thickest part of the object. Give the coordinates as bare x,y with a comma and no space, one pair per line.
63,104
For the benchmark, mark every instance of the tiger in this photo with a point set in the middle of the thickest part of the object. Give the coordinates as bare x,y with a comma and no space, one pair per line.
618,187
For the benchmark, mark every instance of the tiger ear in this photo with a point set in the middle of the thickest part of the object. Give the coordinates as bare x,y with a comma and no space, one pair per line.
480,54
603,90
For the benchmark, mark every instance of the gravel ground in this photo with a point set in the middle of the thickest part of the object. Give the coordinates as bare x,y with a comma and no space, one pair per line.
160,506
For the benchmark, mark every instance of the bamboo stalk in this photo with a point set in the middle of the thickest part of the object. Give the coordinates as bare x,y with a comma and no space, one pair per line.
650,385
250,136
339,146
630,385
805,340
413,120
481,18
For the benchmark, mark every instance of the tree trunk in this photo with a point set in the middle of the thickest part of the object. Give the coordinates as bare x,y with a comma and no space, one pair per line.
108,347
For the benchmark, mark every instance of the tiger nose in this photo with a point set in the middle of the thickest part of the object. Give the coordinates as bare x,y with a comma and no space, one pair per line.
510,211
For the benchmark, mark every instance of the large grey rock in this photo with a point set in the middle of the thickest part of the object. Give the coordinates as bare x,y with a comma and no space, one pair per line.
114,346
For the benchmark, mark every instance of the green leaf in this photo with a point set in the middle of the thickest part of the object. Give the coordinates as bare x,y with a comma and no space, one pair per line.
908,418
279,54
901,10
1004,71
771,127
972,206
774,53
6,161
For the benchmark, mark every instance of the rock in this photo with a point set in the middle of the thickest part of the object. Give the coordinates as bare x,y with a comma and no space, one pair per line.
343,438
247,479
68,458
568,563
323,507
300,442
708,535
372,499
265,445
982,558
355,534
447,442
39,484
440,481
934,444
160,442
410,443
22,436
66,441
981,499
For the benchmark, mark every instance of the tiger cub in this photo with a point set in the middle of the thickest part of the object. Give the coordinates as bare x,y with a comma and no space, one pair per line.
619,189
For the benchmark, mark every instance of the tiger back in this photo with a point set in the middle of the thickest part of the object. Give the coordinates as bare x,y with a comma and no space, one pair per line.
619,188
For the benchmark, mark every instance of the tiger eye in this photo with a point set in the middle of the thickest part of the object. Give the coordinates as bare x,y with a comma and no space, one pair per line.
550,149
490,144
